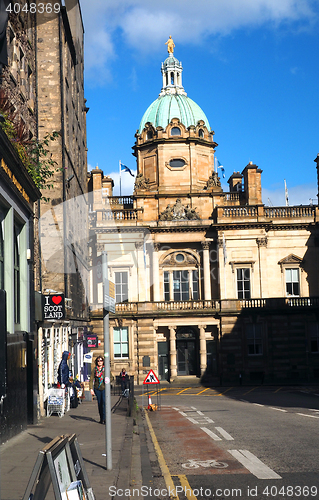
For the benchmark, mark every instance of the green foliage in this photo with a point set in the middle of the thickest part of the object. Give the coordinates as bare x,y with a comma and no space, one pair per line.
35,155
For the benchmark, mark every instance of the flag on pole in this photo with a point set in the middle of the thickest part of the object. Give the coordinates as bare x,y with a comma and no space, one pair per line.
286,194
219,165
124,168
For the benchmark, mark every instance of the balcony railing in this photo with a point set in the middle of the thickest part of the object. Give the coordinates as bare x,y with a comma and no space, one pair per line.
120,215
289,212
231,212
125,201
215,306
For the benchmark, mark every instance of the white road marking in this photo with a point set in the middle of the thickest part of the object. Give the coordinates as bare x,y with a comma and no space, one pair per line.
211,434
224,434
254,465
257,404
192,420
200,412
278,409
304,415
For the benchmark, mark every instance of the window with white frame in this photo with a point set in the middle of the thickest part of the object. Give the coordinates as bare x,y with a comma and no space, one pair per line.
254,339
314,337
243,283
292,281
121,286
16,276
185,285
120,342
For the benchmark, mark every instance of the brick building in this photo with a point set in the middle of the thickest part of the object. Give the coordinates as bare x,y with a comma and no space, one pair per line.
63,219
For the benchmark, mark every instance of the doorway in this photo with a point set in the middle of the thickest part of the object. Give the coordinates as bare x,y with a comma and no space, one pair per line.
187,352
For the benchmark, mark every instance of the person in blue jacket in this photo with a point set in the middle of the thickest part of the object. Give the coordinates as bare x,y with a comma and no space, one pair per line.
63,370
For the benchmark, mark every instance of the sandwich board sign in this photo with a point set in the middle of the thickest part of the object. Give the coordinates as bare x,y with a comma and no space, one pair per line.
151,378
60,464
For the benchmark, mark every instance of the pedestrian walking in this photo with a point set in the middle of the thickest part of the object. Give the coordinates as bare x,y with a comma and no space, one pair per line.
97,386
63,370
124,382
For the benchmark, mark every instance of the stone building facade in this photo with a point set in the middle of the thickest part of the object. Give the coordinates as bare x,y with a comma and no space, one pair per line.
18,198
63,218
208,283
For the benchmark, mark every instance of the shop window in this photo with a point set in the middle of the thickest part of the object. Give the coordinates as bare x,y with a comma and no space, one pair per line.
1,254
121,286
16,276
254,339
120,342
243,283
292,282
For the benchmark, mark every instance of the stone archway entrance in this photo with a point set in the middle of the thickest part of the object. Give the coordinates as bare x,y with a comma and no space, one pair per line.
187,351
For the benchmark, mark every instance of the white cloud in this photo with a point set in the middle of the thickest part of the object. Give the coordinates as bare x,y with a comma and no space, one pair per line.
127,182
304,194
146,25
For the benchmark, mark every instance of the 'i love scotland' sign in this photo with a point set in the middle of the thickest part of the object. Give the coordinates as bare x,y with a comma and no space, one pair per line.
53,307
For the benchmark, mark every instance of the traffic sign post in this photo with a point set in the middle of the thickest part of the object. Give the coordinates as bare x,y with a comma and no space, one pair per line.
152,386
107,307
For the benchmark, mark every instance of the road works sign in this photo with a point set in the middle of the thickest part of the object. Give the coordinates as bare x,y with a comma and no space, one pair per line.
151,378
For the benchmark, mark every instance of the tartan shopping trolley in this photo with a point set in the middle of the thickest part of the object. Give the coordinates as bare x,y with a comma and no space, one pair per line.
58,402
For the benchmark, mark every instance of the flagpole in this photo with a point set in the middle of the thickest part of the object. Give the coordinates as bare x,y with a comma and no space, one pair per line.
120,178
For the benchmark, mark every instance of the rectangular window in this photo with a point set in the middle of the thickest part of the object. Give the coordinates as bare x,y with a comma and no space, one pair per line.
120,342
121,286
195,285
243,283
292,282
166,285
254,339
180,285
314,337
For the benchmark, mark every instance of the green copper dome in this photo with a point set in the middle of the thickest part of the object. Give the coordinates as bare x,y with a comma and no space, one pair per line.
161,112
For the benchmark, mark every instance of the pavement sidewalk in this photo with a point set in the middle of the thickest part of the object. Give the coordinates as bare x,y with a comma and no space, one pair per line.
19,454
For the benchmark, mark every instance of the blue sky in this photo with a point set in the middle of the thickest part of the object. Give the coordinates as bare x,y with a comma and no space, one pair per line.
251,65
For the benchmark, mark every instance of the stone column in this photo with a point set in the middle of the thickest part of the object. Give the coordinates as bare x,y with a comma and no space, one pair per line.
141,281
156,285
172,344
202,349
206,267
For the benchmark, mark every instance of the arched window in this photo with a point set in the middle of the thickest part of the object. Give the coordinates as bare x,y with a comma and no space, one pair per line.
172,78
201,133
149,135
177,163
176,131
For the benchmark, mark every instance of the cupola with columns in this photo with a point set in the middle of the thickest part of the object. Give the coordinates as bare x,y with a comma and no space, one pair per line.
174,143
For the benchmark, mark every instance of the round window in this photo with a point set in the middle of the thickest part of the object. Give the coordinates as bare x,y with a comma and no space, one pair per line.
180,257
178,163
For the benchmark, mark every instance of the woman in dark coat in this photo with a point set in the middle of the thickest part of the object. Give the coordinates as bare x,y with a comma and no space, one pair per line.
97,386
63,370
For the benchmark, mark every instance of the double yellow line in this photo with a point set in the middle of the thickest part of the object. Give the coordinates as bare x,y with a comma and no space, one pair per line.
165,471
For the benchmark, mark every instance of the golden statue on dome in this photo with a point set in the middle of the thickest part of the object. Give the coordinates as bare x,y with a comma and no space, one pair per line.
170,45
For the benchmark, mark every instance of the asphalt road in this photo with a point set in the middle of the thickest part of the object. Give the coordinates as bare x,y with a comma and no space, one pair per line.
238,442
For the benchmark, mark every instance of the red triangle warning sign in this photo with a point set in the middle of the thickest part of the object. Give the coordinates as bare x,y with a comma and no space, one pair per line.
151,378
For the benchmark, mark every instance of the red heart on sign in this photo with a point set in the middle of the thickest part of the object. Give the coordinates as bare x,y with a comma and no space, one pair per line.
56,300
